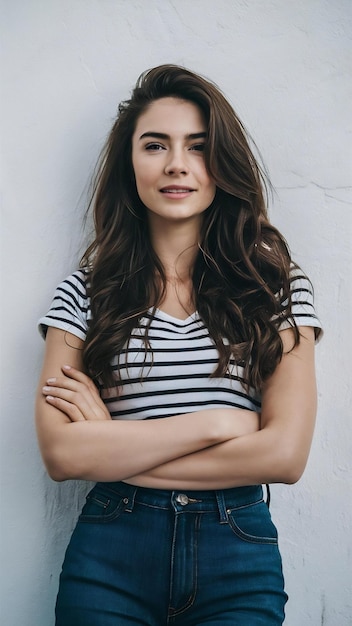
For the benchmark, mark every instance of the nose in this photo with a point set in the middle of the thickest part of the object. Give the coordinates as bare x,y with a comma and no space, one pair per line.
176,163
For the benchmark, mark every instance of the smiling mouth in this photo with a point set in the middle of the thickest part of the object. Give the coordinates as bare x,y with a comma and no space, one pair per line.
176,190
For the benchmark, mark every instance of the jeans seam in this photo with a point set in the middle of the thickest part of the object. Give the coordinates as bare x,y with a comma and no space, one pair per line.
245,506
103,519
251,538
173,612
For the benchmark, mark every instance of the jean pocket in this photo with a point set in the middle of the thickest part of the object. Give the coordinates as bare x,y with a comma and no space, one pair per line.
253,523
102,506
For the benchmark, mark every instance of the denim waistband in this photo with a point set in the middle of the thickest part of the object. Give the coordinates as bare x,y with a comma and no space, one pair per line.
187,500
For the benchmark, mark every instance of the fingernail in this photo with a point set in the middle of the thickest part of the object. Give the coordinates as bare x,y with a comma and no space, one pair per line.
66,367
46,388
49,397
51,380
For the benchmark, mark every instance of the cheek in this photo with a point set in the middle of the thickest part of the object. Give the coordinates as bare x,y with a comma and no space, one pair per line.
145,187
206,181
211,188
144,173
143,184
210,194
138,175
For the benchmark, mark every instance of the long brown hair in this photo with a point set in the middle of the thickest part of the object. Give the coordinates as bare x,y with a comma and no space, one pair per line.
241,276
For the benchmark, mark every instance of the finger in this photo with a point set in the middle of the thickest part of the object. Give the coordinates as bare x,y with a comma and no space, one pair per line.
72,396
71,410
81,377
87,406
73,377
77,381
65,383
72,384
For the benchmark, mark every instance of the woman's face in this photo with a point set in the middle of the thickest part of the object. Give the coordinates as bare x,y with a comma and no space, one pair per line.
168,161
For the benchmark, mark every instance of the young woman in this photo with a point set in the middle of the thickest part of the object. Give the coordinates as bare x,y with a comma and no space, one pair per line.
178,373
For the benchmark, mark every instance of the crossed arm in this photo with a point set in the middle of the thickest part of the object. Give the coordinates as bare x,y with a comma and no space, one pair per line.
210,449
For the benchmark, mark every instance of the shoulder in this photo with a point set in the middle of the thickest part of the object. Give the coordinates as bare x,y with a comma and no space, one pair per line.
69,310
73,290
299,282
75,286
301,306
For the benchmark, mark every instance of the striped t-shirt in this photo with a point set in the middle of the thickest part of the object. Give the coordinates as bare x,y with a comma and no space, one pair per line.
177,369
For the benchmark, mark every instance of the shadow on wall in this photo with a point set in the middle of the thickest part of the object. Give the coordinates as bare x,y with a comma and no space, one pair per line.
62,503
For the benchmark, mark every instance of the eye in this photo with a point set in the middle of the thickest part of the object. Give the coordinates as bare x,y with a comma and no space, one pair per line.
198,147
154,147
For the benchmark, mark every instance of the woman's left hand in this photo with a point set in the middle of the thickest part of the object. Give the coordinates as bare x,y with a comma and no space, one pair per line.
76,395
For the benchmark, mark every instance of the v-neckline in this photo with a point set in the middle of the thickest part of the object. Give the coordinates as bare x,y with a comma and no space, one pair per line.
176,320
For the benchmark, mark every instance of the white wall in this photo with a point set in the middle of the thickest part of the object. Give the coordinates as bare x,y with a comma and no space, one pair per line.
65,66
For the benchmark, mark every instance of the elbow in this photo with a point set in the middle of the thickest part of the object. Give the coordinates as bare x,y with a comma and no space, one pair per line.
292,476
62,466
286,460
57,476
56,470
291,466
58,465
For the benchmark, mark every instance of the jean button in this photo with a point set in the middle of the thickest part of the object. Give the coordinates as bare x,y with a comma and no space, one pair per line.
182,499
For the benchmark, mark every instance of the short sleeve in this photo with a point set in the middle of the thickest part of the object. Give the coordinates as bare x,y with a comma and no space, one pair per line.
69,309
302,299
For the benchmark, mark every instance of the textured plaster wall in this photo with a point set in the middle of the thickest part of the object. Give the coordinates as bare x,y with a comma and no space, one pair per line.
65,65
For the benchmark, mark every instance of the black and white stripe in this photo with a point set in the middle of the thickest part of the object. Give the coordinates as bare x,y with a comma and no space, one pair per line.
176,370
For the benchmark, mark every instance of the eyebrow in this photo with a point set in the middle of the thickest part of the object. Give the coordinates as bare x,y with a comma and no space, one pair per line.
153,133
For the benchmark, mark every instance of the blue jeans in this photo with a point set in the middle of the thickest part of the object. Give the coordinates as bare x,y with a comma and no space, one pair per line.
155,558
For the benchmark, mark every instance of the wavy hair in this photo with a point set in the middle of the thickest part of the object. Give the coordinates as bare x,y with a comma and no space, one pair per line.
241,275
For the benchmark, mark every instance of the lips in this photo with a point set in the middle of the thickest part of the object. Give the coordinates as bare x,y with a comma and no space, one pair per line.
176,189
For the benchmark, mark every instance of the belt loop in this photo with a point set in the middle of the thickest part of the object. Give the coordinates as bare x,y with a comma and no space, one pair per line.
220,498
130,502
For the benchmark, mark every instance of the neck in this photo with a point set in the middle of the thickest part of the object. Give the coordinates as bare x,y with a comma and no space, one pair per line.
177,248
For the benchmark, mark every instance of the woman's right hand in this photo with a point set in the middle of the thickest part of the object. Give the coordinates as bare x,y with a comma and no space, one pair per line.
76,395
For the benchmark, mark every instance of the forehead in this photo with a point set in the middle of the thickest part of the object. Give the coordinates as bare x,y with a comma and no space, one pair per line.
169,115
